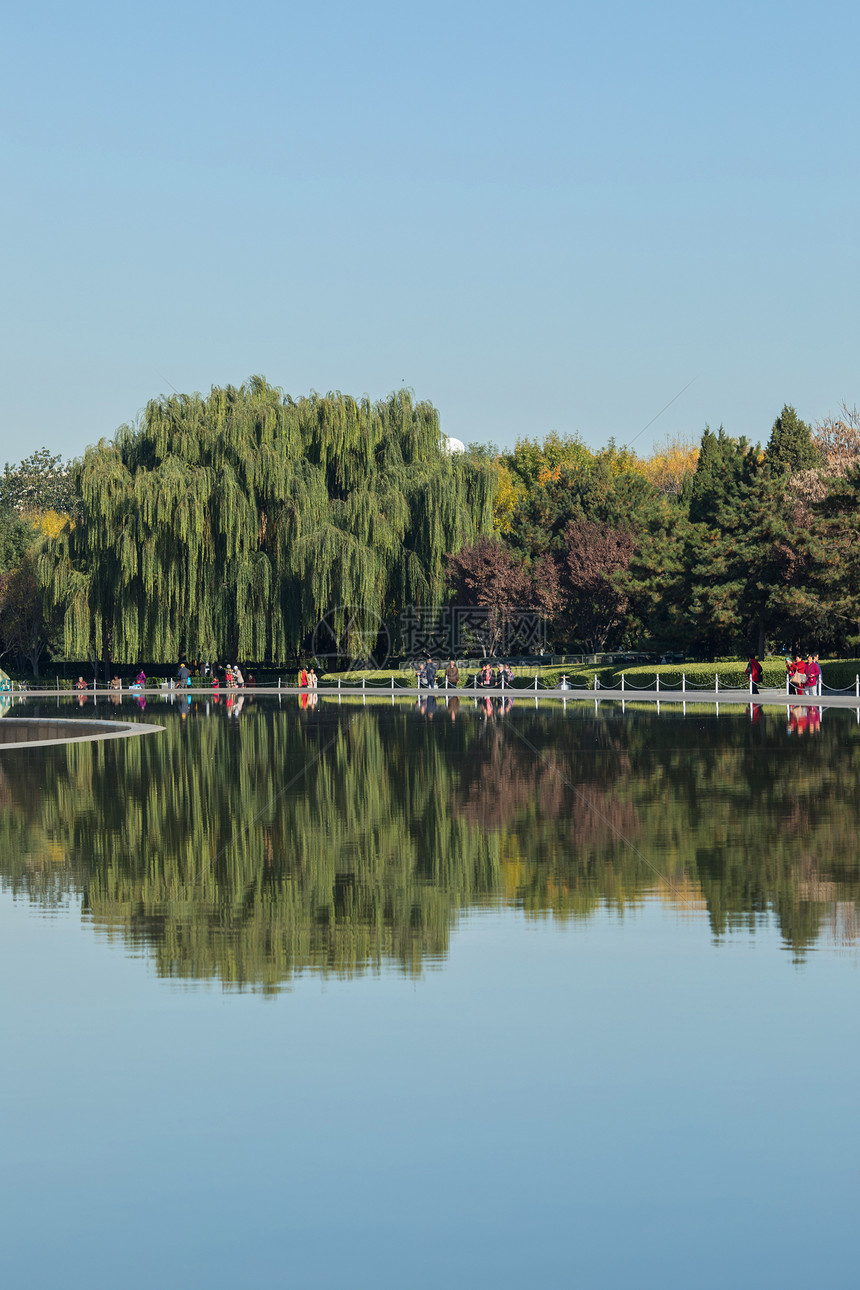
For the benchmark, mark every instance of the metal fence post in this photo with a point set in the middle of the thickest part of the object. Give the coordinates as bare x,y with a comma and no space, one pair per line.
683,682
658,682
622,682
717,682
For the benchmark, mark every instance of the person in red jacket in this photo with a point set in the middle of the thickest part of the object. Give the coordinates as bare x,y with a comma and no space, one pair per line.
754,672
813,674
797,674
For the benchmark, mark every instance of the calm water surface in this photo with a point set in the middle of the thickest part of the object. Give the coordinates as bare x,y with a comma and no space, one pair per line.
419,997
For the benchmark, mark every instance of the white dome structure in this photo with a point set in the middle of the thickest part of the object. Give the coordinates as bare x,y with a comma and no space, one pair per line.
450,445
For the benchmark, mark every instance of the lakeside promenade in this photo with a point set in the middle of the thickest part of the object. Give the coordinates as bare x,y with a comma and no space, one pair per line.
675,697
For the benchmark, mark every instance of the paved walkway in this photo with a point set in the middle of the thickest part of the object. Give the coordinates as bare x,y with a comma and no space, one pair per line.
767,697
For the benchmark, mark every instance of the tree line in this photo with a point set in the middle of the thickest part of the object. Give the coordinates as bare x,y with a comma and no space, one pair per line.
228,525
716,548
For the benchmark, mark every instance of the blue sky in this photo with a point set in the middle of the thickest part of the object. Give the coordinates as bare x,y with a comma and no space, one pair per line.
542,217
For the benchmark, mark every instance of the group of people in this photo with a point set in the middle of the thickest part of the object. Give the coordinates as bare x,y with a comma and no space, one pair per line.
430,679
233,678
495,677
308,679
488,677
803,674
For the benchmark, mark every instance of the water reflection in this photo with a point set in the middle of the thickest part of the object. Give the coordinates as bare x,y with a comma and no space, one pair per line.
253,840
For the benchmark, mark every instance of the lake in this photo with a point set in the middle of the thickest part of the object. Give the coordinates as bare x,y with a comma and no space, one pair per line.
421,995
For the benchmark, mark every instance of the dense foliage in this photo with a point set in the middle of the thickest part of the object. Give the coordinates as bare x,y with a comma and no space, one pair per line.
721,549
230,525
41,482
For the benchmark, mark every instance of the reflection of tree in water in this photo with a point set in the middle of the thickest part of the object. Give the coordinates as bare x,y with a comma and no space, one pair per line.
189,842
207,845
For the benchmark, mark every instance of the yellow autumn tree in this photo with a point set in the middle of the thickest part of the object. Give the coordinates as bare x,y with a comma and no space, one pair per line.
670,465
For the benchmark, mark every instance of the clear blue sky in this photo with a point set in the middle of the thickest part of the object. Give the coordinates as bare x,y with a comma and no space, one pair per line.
545,216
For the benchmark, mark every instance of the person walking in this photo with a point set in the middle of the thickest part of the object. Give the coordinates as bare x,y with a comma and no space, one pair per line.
754,672
452,674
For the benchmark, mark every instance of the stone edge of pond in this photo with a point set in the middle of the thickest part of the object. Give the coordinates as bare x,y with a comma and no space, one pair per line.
94,731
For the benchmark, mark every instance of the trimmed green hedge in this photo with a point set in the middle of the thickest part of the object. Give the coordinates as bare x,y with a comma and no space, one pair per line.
837,673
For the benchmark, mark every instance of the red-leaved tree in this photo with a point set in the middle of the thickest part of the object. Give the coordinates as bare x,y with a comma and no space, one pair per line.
487,575
594,607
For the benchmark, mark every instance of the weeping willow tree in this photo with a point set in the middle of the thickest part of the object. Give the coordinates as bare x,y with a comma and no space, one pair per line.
229,525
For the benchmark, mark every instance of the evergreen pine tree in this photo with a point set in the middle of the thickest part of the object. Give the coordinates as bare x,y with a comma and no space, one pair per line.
790,447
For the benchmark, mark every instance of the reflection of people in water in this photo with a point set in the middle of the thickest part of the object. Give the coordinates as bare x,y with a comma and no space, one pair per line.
453,707
804,720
